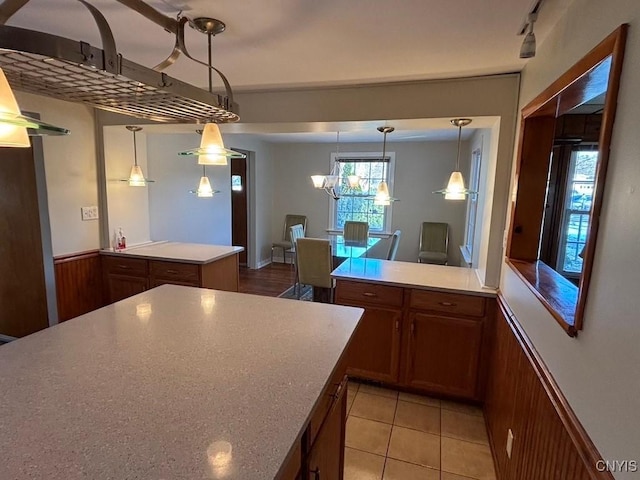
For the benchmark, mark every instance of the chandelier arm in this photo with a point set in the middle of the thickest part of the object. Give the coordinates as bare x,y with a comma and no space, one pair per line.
227,85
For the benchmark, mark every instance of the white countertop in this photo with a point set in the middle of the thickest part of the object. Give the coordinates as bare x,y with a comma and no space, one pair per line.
144,387
415,275
178,252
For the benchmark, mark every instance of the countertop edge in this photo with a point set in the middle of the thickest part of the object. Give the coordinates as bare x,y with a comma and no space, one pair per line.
491,293
129,254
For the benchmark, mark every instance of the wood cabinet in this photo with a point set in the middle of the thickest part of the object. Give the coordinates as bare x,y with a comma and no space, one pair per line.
428,341
125,276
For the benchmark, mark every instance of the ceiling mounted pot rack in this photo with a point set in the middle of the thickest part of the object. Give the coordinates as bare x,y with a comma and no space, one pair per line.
65,69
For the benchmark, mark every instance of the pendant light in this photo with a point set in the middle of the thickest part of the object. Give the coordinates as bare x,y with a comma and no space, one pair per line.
204,187
136,177
329,182
455,188
15,128
212,150
382,196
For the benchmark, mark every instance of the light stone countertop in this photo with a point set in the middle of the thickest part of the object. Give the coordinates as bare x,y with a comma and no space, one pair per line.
414,275
178,252
149,387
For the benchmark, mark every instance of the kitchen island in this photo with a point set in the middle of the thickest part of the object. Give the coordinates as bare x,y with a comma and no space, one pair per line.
136,269
179,383
426,328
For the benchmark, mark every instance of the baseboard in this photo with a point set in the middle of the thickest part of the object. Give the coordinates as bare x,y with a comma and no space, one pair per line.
7,338
263,263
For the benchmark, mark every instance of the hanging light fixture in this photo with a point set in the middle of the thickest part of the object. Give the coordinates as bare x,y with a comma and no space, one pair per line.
136,177
455,188
382,196
212,150
204,187
329,182
528,48
16,128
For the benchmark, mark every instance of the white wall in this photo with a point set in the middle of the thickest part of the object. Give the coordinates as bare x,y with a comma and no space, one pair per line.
420,168
128,207
70,164
174,213
598,370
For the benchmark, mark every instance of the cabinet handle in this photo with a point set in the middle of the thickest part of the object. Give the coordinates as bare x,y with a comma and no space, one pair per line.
448,304
174,272
398,325
413,327
316,473
336,394
124,267
370,294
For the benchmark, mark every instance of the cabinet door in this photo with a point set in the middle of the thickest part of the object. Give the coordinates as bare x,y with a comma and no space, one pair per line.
326,457
122,286
375,347
443,354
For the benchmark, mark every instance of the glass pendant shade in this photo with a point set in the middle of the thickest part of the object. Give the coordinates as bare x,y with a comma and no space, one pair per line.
318,180
212,151
354,181
204,189
136,177
382,195
14,125
455,188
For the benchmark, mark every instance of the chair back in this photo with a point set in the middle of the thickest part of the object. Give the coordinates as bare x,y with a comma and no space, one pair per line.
296,232
314,262
356,233
434,237
393,246
291,220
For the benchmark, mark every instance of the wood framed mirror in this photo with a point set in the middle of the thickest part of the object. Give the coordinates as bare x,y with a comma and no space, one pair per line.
563,153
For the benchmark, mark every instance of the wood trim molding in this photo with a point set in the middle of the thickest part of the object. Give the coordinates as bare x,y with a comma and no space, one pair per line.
70,257
585,448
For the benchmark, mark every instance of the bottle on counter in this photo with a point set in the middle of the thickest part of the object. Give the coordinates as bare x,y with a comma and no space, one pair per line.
121,241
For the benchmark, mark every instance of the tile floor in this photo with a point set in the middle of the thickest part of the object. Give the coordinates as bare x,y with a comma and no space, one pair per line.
398,436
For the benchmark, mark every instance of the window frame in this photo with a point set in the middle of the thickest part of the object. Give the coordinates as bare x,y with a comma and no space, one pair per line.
388,210
475,170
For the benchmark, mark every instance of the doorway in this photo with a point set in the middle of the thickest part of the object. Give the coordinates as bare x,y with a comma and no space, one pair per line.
239,203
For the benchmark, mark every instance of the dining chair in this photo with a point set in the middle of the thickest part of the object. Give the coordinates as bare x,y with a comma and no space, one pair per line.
393,245
285,244
313,260
356,233
434,242
296,232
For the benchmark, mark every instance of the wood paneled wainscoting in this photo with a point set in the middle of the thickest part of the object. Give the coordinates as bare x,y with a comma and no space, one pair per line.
549,442
79,287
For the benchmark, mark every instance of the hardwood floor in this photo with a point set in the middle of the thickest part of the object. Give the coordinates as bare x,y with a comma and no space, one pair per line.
270,281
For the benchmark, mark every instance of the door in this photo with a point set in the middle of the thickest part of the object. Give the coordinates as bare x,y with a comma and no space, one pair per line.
374,349
443,354
239,214
23,294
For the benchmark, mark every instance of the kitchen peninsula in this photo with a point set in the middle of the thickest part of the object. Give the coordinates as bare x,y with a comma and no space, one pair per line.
179,383
426,328
136,269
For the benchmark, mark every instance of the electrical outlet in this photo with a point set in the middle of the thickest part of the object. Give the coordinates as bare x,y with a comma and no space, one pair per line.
89,213
509,442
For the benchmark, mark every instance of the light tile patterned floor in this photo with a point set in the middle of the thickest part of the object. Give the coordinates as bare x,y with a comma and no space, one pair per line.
400,436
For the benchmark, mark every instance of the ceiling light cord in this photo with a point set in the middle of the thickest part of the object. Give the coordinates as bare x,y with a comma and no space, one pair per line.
459,143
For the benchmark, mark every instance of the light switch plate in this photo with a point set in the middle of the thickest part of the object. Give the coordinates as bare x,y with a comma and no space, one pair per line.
89,213
509,442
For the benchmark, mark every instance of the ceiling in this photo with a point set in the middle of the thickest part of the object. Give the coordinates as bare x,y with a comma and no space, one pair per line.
284,44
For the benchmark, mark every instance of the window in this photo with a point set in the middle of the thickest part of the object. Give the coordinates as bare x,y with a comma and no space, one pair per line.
472,204
577,206
353,203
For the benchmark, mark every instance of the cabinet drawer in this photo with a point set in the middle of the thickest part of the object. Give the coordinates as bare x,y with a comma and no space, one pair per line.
125,266
452,303
181,272
329,396
368,293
